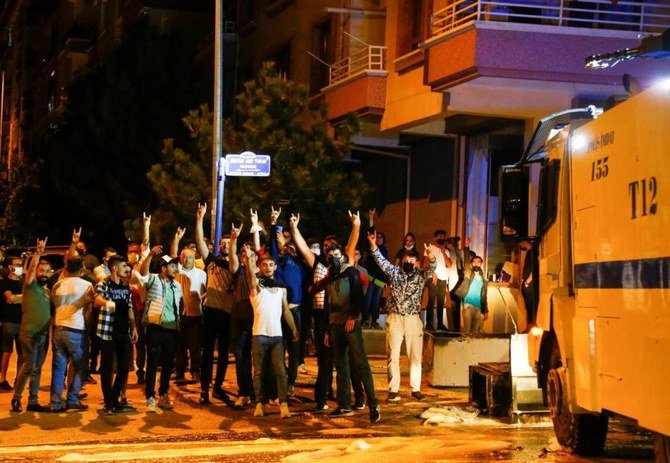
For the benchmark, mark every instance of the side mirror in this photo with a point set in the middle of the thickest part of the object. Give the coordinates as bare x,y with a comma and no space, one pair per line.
513,200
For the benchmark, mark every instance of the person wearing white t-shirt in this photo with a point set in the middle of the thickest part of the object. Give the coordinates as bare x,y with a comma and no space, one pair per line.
71,297
193,282
269,305
437,288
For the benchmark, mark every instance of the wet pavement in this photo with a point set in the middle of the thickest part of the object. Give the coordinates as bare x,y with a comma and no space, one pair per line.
217,433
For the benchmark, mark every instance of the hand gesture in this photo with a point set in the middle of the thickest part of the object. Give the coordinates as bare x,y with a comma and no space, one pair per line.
76,235
274,215
201,211
467,241
355,218
235,232
372,239
146,219
294,220
134,336
156,250
296,336
179,234
372,212
349,325
254,218
428,251
41,244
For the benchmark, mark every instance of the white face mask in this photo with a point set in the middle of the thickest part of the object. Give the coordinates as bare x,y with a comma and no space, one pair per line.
409,248
316,251
18,271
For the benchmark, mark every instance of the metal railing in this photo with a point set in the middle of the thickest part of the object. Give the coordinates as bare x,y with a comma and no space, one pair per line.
600,14
370,58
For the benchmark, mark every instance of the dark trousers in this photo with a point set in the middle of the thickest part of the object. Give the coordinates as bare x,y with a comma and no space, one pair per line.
305,330
349,352
324,358
455,312
267,352
91,327
373,299
292,347
240,334
216,327
121,348
34,347
161,347
436,295
189,346
140,345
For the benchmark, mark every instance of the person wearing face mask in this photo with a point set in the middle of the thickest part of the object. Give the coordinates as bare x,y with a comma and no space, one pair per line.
437,287
10,310
404,320
409,244
216,312
473,292
34,330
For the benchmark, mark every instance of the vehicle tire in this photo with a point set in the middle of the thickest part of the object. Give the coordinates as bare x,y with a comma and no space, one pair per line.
662,447
583,434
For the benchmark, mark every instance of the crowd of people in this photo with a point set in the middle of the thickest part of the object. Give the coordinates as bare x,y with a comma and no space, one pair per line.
153,311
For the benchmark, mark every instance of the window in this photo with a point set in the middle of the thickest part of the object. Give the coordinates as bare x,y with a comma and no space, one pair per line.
282,61
413,24
548,205
322,47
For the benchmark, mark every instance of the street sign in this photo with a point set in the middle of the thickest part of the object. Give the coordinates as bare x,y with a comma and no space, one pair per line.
248,164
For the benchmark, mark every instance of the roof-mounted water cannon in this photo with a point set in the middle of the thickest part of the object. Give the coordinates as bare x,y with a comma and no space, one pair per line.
657,46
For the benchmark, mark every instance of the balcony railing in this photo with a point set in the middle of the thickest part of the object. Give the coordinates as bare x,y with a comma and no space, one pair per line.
600,14
371,58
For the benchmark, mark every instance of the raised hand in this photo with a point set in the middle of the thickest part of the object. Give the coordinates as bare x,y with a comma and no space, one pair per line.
294,221
274,215
157,250
201,211
467,241
235,232
372,239
355,218
179,234
428,251
146,219
254,217
76,235
372,212
41,245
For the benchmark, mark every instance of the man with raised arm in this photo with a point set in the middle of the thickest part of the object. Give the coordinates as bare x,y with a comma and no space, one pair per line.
404,319
34,329
269,305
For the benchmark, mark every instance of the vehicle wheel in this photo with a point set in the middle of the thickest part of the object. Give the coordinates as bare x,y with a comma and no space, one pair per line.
662,447
584,434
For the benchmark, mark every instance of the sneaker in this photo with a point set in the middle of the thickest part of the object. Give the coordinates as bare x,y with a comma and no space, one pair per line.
165,403
108,411
375,414
340,412
302,368
204,399
16,406
36,408
442,328
321,408
393,397
242,401
82,395
283,410
290,391
219,394
359,405
5,386
151,405
375,326
78,407
140,377
259,410
89,380
418,395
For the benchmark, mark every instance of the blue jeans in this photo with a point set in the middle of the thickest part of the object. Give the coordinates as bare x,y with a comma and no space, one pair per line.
73,346
373,299
260,346
34,346
240,334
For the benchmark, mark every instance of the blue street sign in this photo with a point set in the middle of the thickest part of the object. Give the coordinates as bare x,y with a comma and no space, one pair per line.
248,164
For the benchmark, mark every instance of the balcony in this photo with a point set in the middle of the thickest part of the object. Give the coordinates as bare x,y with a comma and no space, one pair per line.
357,83
540,40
